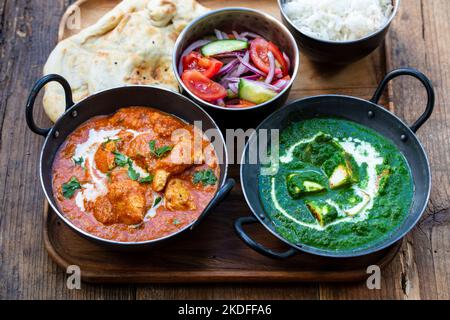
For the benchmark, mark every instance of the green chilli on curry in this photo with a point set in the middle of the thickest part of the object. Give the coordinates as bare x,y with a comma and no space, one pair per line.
338,185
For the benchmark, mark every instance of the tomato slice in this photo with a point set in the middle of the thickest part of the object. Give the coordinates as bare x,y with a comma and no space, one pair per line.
278,55
203,87
258,53
209,67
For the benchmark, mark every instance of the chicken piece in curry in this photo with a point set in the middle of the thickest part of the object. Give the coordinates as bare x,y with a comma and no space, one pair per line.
137,175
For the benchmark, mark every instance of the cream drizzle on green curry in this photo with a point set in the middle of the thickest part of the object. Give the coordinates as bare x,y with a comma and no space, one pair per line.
339,185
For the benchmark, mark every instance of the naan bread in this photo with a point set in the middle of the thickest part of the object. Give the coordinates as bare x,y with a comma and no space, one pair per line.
131,44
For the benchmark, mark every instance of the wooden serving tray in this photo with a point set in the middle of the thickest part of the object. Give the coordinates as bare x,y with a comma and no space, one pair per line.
212,252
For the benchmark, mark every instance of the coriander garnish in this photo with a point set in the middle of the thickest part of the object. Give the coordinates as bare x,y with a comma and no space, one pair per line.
120,159
147,179
159,152
69,188
157,201
206,177
132,172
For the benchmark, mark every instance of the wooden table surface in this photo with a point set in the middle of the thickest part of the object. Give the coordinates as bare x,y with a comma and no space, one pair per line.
419,38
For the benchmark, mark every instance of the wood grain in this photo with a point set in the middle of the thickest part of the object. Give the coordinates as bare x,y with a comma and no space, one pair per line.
211,253
28,31
426,47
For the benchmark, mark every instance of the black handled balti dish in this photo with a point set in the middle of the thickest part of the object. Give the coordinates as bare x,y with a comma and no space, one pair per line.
105,103
361,112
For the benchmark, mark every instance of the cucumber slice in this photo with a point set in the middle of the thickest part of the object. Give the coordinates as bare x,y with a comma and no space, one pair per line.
323,212
222,46
253,92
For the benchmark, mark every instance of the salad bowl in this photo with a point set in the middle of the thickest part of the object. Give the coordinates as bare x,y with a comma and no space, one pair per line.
237,20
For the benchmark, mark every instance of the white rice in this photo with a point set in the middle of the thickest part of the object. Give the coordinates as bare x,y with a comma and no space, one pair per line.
339,20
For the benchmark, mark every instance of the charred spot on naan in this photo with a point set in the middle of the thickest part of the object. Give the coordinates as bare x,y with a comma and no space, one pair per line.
157,72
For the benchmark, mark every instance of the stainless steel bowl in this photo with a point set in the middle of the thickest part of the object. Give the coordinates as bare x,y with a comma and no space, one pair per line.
337,52
239,19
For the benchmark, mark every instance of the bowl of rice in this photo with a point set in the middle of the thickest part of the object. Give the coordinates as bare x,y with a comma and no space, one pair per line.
338,31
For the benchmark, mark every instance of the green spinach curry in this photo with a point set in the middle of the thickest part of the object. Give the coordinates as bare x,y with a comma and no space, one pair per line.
338,185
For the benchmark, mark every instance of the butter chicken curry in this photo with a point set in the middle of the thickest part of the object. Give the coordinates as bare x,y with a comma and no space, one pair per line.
136,175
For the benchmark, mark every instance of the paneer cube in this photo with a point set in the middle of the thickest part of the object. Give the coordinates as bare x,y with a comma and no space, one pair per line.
340,177
323,212
299,184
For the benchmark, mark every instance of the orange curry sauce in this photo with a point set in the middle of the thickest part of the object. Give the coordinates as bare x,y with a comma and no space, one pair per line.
137,175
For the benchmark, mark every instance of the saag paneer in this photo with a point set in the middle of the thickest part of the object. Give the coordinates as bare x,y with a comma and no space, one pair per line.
339,185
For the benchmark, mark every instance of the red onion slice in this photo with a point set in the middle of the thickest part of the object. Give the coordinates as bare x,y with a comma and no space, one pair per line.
225,77
251,77
281,84
234,87
288,61
237,36
250,35
195,45
242,68
229,54
218,33
251,68
271,67
228,67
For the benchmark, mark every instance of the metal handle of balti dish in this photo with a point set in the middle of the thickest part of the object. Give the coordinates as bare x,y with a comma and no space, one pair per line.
238,226
33,95
218,198
419,76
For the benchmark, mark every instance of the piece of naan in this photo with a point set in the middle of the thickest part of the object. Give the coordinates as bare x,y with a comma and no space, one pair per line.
131,44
